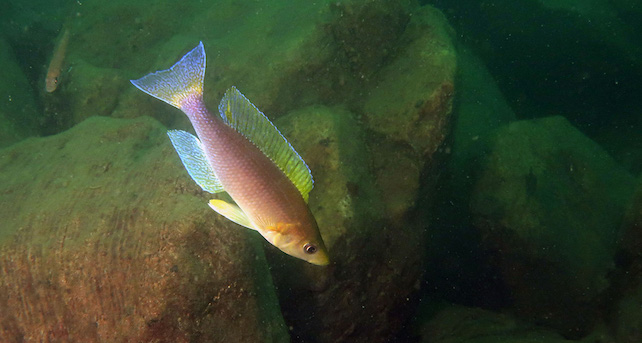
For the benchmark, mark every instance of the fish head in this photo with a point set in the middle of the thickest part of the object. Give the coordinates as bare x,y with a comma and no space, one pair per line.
51,83
299,240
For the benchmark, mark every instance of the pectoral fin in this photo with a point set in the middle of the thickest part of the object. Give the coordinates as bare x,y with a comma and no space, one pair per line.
231,212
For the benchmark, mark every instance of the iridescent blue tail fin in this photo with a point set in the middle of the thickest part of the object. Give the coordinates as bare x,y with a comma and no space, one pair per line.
178,83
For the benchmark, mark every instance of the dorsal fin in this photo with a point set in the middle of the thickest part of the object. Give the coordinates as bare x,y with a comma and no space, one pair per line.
239,113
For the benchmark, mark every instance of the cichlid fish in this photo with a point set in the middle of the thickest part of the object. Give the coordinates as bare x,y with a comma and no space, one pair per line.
242,153
55,66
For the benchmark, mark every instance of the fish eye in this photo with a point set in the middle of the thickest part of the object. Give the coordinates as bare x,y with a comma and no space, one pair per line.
310,248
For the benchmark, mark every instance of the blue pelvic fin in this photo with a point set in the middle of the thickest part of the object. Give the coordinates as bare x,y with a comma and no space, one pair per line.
239,113
176,84
192,155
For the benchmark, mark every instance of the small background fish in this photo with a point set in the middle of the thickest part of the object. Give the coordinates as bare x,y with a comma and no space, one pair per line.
57,60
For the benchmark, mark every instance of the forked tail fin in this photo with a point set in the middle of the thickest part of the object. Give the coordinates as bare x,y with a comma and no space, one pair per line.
178,83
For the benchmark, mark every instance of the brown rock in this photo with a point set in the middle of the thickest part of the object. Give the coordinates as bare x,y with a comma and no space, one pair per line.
105,238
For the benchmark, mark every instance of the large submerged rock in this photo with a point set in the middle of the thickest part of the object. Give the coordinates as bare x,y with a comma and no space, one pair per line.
105,238
548,203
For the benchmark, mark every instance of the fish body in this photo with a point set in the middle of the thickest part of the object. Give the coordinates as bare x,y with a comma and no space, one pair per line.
241,152
57,60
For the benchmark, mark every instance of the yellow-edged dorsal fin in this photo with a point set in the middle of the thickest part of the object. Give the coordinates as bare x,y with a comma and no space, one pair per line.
239,113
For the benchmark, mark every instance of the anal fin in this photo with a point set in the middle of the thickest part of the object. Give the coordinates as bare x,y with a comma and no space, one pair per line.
231,212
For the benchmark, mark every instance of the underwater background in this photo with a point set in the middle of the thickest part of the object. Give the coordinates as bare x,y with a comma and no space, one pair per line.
476,163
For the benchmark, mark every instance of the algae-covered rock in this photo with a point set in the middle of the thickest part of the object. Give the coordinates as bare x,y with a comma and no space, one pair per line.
333,143
97,90
415,88
375,264
548,204
18,116
85,91
105,238
408,106
480,109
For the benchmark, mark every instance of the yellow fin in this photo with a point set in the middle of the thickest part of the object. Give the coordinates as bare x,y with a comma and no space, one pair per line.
239,113
231,212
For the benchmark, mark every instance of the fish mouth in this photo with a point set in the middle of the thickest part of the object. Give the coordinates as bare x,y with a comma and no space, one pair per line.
320,260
